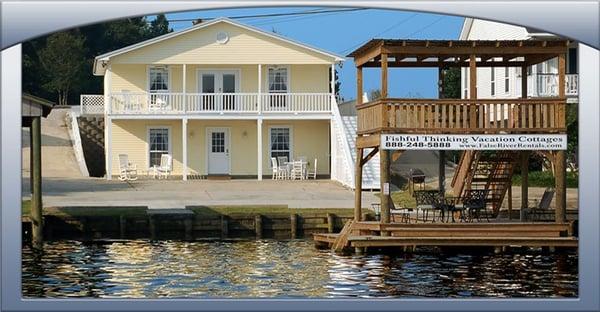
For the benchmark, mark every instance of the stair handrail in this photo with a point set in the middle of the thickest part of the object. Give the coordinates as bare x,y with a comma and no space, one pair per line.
339,125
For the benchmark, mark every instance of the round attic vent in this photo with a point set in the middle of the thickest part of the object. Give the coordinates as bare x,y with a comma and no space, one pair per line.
222,37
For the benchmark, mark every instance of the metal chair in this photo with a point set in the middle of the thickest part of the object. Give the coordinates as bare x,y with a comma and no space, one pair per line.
427,200
542,206
473,202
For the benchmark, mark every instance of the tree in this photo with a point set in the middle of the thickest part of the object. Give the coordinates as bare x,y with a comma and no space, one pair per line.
451,83
337,86
374,94
159,26
63,60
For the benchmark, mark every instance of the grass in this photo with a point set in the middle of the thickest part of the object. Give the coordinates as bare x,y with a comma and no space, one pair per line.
546,179
25,207
214,211
84,211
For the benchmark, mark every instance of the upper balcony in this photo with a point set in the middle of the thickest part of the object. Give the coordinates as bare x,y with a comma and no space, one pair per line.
534,114
128,104
546,85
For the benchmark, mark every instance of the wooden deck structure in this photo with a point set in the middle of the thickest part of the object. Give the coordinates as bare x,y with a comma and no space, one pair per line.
457,116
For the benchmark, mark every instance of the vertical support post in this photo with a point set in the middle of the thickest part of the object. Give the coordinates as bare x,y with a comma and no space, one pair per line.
524,82
384,155
30,161
524,184
560,162
441,153
294,226
384,75
108,146
330,223
332,83
184,131
259,108
258,228
184,87
37,221
510,197
122,226
358,185
259,156
359,154
472,90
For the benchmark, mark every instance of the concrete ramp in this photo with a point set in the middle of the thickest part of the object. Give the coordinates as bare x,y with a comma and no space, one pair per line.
58,158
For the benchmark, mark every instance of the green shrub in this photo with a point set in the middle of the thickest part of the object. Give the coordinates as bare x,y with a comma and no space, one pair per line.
546,179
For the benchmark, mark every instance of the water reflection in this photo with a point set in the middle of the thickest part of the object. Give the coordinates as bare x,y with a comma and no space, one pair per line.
269,268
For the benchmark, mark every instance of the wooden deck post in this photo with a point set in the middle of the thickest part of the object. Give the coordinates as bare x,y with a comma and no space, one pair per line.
560,159
35,152
294,226
441,153
524,184
384,155
359,153
510,206
472,90
524,81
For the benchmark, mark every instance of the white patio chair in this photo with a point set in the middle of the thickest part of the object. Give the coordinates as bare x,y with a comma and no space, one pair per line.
297,170
312,173
127,170
166,166
275,168
282,167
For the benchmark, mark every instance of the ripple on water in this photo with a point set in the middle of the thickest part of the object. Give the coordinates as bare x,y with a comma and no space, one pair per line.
284,269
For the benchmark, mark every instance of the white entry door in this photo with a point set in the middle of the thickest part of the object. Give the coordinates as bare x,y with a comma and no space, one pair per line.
218,150
217,87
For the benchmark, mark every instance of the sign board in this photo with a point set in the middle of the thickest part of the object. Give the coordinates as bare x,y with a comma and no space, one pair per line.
512,142
386,188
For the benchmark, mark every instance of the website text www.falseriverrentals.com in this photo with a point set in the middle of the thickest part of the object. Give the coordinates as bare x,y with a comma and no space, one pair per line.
474,141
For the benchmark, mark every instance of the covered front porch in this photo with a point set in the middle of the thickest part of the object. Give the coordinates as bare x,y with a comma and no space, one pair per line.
226,148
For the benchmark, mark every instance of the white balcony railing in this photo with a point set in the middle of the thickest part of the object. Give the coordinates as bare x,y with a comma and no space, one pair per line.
546,85
129,103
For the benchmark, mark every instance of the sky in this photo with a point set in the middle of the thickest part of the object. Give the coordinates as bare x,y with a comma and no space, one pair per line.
342,32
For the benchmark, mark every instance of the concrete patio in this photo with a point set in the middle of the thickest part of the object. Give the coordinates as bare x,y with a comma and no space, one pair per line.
178,194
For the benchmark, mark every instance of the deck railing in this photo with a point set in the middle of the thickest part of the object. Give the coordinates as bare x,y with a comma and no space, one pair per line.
546,84
462,116
143,103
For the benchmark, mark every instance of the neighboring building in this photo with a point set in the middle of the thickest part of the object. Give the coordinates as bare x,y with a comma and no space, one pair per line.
506,82
221,98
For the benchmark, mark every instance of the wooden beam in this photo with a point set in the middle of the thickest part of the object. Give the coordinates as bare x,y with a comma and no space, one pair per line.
384,75
396,155
384,169
427,64
358,185
561,75
467,50
359,85
524,184
366,141
523,82
37,219
472,90
560,171
369,156
367,55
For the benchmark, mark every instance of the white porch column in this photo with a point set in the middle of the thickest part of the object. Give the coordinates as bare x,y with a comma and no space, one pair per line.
108,146
332,82
184,88
259,89
259,123
184,123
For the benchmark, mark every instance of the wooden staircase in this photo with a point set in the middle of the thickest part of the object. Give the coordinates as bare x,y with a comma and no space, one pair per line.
486,170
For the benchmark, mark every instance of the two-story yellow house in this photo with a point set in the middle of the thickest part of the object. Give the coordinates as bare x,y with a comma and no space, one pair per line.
221,98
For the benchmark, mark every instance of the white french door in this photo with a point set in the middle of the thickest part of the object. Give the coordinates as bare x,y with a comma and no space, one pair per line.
217,88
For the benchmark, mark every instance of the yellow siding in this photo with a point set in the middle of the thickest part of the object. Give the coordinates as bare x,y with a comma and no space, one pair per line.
309,138
243,47
303,78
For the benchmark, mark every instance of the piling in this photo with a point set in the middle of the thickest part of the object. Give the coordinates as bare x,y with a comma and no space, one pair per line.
37,236
187,224
122,226
224,227
294,225
258,226
330,223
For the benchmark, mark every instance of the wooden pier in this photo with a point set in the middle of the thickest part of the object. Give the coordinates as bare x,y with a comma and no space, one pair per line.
368,234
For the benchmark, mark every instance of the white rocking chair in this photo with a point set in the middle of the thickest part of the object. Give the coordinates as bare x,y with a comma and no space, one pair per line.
127,170
166,166
313,173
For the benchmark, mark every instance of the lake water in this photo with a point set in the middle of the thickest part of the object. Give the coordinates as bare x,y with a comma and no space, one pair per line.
294,268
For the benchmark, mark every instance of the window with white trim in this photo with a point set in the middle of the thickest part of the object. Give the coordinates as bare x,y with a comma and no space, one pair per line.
158,77
278,79
280,142
158,144
506,80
